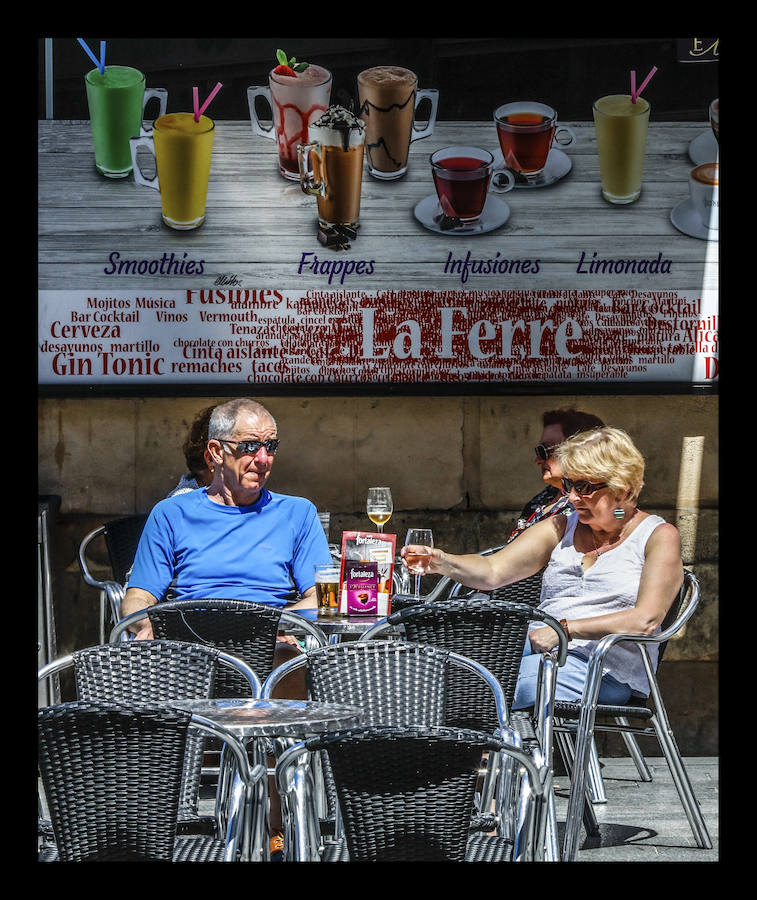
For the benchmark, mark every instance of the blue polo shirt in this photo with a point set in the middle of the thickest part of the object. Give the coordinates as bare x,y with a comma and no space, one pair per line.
252,553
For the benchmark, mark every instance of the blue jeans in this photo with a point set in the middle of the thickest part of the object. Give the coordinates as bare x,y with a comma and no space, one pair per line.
571,679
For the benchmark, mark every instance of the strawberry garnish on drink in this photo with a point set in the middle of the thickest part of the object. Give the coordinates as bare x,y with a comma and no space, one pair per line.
288,66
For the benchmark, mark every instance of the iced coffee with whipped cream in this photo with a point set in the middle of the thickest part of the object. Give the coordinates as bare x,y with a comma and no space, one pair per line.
331,166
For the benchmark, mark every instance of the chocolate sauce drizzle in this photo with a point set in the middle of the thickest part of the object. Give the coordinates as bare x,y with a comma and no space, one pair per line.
365,110
342,125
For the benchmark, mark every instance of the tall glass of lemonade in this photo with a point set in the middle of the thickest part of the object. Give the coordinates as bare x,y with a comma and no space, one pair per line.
621,129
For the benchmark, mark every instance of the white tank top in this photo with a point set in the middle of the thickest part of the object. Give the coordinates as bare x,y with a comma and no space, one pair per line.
610,585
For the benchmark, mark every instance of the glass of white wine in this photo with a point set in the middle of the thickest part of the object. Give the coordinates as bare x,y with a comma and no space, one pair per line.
379,506
418,545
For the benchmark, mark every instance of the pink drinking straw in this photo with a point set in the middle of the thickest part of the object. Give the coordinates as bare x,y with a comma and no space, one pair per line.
635,94
100,63
199,110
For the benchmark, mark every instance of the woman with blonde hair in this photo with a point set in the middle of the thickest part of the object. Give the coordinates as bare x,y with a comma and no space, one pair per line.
611,568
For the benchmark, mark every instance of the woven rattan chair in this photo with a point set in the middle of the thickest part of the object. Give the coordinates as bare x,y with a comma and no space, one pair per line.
492,632
488,630
112,778
121,539
406,795
394,683
154,672
244,630
589,717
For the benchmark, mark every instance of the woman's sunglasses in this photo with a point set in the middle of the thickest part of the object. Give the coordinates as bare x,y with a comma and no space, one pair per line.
582,488
544,451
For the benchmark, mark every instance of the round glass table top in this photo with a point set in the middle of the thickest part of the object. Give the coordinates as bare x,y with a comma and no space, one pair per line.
274,718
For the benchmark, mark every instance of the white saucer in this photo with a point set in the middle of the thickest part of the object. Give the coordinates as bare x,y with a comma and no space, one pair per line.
428,212
687,220
704,149
557,166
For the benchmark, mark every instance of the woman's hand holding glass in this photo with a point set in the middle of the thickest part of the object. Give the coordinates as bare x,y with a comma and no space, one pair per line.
417,554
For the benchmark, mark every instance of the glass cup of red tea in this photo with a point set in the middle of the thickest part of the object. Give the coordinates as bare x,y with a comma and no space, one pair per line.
463,177
526,132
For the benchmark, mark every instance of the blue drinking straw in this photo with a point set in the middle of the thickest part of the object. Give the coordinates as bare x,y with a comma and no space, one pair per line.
100,63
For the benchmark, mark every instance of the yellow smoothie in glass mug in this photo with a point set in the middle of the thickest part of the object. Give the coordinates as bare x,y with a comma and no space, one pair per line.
183,149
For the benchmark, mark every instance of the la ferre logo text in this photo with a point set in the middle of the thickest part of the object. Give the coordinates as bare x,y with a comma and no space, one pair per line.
698,50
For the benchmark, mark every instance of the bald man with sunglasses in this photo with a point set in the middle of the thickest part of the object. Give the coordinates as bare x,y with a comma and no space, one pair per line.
234,539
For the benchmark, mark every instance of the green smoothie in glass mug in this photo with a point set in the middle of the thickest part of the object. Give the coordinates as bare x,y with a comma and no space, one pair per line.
117,99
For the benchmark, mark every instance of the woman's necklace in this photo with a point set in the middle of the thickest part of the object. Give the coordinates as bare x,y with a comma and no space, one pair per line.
617,540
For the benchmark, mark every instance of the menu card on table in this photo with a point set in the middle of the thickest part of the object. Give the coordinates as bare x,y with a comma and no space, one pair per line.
367,570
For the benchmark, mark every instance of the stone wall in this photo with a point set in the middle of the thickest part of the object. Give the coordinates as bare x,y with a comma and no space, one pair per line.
460,465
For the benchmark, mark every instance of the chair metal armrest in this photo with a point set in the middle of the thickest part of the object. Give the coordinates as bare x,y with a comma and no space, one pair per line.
503,717
377,628
241,666
55,666
279,672
294,618
86,574
562,639
122,625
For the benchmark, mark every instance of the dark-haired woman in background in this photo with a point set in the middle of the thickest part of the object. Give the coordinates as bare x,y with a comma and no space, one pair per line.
558,425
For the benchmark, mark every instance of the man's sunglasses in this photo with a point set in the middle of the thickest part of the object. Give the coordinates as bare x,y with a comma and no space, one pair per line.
544,451
252,447
582,488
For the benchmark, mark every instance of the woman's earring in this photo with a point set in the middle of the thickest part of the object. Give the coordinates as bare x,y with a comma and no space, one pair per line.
619,513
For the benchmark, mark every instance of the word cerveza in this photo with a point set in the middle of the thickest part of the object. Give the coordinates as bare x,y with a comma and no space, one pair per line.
168,264
309,262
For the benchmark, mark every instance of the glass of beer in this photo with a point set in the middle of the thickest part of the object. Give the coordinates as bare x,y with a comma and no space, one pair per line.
379,506
327,589
419,543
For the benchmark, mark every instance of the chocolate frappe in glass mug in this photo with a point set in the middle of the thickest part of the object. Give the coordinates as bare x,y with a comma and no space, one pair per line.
331,166
388,98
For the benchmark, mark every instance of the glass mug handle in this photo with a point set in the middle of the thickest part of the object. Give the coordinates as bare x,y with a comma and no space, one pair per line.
307,173
428,94
161,95
135,143
496,186
257,128
563,129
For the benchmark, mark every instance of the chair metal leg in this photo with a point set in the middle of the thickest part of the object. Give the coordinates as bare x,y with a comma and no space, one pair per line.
551,848
523,836
670,750
681,780
634,751
596,782
259,846
579,807
596,785
306,827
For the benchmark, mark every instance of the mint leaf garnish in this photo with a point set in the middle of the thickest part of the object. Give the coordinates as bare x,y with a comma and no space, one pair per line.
281,57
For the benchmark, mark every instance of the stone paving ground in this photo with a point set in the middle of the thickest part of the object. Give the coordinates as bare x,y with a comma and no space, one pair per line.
644,821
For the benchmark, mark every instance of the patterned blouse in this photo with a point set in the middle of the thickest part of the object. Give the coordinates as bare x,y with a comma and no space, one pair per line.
536,509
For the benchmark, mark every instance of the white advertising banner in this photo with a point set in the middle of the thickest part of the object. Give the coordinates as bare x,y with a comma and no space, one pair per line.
325,337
